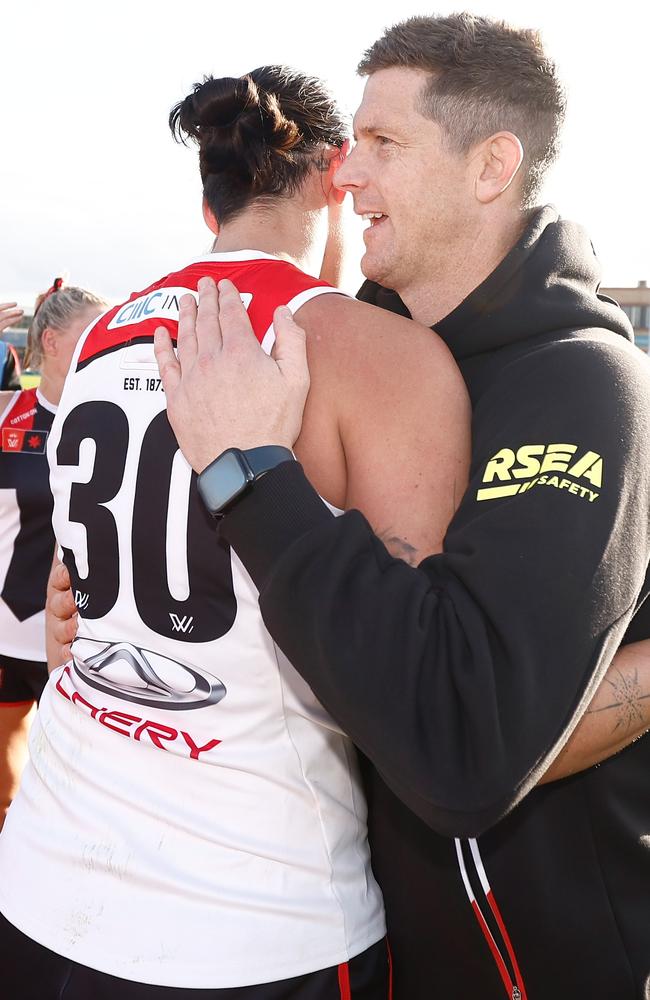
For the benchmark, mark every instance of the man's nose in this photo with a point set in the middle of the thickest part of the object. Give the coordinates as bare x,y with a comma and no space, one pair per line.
350,175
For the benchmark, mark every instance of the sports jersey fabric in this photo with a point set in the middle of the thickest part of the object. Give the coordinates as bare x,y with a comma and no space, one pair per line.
26,536
190,815
460,678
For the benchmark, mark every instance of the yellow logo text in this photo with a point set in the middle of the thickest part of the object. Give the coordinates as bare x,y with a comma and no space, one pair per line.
535,465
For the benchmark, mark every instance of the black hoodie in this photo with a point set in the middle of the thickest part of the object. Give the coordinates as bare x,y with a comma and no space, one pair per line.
461,679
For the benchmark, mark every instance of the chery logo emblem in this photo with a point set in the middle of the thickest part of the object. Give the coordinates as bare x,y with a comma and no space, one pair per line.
144,677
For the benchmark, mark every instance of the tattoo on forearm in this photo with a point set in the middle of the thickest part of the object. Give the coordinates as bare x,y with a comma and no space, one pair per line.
628,695
399,547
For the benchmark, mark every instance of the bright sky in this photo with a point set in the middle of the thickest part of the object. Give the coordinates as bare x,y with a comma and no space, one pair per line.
91,182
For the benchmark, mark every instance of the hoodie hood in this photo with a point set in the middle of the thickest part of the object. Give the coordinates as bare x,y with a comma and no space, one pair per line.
547,283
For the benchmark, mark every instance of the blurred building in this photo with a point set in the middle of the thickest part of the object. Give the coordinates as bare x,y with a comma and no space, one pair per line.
635,302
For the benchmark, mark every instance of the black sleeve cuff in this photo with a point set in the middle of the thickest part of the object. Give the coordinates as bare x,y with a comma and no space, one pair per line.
281,507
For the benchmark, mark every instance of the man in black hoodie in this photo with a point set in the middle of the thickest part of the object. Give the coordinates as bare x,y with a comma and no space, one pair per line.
462,679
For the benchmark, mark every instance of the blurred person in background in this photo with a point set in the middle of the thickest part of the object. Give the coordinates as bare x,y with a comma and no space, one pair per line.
9,361
26,536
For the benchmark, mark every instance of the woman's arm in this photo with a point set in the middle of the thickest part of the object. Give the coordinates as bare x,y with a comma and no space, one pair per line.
335,248
618,714
388,399
334,254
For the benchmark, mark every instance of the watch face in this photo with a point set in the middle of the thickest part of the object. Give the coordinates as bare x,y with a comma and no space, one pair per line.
223,481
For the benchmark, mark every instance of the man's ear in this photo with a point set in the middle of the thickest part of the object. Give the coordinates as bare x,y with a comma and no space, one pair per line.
497,160
210,218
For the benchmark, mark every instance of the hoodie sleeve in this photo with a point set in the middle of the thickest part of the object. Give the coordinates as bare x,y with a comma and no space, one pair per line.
462,678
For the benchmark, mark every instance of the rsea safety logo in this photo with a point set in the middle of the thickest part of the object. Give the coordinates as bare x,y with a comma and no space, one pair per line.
561,466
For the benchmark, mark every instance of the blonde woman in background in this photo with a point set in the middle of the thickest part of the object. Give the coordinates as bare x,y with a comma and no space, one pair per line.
26,538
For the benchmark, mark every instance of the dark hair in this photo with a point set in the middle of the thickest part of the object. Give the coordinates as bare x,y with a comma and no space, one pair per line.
486,76
258,134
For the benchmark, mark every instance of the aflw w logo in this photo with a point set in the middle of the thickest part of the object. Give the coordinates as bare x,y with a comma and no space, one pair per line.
183,624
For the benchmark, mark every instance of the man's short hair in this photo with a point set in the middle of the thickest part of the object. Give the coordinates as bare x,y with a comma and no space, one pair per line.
486,77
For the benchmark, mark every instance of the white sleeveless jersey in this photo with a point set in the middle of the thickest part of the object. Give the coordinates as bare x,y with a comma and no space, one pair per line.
26,537
190,816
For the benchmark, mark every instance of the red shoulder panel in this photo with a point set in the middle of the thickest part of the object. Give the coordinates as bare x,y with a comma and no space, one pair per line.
263,284
23,410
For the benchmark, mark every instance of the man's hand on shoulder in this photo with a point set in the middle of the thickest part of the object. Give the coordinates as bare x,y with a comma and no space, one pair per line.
223,391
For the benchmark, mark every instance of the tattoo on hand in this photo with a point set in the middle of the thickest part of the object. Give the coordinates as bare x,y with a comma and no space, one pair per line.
629,695
399,547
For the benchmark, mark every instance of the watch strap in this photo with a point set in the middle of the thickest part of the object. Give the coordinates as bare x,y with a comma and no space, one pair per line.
266,457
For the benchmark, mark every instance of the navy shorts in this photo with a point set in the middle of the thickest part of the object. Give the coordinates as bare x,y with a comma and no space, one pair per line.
28,971
21,681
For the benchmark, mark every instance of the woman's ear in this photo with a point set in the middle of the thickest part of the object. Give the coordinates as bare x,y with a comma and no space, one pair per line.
49,343
210,218
335,162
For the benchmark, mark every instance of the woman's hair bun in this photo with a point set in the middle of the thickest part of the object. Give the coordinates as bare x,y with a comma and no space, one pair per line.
213,104
237,125
259,135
